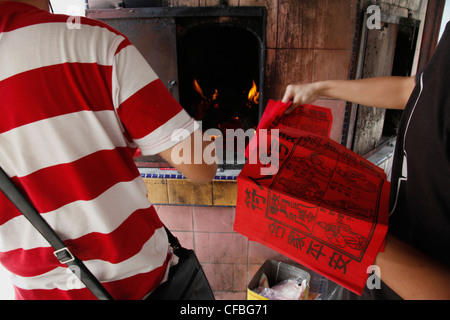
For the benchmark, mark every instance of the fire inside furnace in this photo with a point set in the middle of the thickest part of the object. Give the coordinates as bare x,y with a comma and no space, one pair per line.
219,72
218,113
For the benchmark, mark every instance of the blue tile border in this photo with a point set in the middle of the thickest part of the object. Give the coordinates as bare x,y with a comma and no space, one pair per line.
156,173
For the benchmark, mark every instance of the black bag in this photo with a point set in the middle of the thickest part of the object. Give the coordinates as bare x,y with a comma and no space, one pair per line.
187,281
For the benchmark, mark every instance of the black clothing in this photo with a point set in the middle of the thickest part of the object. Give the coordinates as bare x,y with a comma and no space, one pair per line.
420,190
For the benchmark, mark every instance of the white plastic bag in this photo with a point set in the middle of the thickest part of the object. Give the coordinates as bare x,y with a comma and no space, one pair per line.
285,290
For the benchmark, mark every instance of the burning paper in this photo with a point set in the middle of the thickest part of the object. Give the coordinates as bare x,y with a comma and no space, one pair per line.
324,207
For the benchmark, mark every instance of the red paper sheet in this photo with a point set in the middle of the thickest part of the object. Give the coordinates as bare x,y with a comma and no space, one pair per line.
308,118
326,207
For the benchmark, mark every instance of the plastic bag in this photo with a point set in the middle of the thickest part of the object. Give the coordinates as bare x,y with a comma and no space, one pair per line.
285,290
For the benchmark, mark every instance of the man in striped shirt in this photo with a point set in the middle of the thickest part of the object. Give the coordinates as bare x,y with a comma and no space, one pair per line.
75,103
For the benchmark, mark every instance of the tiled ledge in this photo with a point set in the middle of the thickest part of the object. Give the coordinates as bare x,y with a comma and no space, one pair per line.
170,187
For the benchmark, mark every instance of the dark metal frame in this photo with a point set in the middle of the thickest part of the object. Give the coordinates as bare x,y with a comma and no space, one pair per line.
207,13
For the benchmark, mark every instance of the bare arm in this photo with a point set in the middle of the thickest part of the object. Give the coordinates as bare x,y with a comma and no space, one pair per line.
411,274
383,92
196,168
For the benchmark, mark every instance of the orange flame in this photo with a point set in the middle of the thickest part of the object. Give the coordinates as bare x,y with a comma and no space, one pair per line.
215,95
198,89
253,94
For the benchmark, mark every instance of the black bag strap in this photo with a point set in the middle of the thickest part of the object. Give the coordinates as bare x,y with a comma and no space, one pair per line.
62,253
174,242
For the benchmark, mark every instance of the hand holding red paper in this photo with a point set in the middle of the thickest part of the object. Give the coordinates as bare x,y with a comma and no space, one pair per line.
325,206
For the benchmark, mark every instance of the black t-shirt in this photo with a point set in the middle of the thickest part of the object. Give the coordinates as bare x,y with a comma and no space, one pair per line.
420,188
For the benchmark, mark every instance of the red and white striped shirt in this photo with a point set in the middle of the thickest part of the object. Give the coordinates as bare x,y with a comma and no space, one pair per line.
74,105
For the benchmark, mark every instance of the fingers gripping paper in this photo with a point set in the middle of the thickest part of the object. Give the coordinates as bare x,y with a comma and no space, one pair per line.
324,207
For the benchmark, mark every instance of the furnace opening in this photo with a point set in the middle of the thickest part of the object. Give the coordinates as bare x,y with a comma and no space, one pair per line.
219,76
218,72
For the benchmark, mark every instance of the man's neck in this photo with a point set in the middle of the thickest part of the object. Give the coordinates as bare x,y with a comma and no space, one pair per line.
41,4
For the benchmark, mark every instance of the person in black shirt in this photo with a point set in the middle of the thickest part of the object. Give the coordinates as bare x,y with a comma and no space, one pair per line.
416,261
